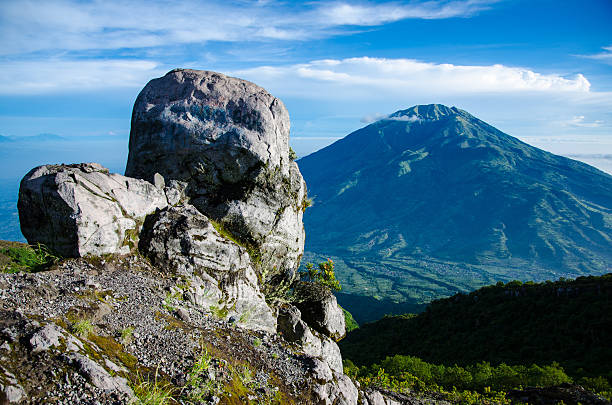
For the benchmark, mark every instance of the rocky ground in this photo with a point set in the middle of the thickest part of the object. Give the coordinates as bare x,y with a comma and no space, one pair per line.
131,323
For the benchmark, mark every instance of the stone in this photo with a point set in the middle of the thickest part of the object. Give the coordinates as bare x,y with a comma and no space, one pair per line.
330,352
228,139
183,241
11,394
339,391
175,192
46,337
295,330
99,377
320,309
81,209
183,314
320,371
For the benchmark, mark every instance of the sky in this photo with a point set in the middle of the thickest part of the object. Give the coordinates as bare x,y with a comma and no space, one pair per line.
538,70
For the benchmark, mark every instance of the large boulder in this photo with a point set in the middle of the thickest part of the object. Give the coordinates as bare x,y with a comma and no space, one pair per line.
183,241
228,139
82,209
319,308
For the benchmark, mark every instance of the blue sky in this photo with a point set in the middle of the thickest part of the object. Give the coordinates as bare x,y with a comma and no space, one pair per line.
538,70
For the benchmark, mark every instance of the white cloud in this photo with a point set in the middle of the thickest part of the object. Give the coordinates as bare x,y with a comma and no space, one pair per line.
376,14
37,77
379,77
578,121
29,25
368,119
605,56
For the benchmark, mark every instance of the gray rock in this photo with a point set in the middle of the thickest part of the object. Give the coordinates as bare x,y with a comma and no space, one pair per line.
81,209
183,314
183,241
321,371
340,391
175,192
11,394
330,352
229,140
320,309
295,330
46,337
158,181
99,377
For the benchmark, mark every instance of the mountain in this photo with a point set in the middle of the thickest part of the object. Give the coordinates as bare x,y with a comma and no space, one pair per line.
568,321
431,201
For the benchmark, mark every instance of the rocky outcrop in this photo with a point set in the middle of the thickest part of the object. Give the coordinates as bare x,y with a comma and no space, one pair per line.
213,213
82,209
185,242
228,139
320,309
313,343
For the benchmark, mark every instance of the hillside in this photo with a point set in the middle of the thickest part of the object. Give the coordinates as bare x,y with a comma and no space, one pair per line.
569,322
431,201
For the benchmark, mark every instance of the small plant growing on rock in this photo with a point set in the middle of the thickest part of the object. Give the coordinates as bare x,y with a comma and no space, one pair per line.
324,275
306,203
82,328
257,342
126,334
292,154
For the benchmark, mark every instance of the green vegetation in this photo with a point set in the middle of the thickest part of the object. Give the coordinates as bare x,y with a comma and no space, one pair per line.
199,384
16,257
306,203
152,392
126,334
257,342
475,384
82,328
507,325
292,154
349,321
323,275
473,210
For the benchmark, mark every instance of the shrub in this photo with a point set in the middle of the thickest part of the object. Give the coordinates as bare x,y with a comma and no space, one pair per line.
324,275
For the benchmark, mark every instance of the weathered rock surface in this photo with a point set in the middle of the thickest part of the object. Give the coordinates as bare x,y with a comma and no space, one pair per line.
182,240
295,330
320,309
81,209
100,377
340,391
228,139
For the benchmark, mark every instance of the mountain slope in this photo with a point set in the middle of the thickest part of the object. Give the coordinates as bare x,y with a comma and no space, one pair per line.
432,200
567,321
